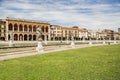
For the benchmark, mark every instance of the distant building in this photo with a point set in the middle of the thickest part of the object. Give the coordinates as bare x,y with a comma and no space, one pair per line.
25,30
119,30
109,34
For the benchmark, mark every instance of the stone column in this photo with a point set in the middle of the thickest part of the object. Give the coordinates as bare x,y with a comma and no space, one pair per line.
23,28
27,28
27,37
45,40
49,34
32,28
6,31
13,29
18,29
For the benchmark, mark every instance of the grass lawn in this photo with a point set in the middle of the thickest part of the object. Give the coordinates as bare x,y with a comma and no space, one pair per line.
93,63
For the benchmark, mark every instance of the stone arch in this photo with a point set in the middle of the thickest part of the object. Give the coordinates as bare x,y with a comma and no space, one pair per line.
43,37
46,28
15,27
20,27
34,37
15,37
42,28
34,28
30,37
30,28
20,37
25,37
47,37
25,28
10,27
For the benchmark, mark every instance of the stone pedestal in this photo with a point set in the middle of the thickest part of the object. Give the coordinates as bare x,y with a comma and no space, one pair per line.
104,42
67,41
45,42
90,43
72,44
11,43
39,48
115,42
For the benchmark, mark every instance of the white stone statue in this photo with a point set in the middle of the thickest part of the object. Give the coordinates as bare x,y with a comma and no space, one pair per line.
39,34
39,47
11,40
72,42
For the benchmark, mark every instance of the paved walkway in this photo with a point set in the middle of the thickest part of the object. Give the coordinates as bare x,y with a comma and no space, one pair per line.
11,55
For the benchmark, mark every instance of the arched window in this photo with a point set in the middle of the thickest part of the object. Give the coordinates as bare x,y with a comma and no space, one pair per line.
46,28
30,28
20,37
25,37
20,27
42,28
34,28
25,28
10,27
15,37
15,27
30,37
34,37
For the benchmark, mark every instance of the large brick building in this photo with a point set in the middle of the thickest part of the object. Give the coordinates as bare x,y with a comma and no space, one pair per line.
23,30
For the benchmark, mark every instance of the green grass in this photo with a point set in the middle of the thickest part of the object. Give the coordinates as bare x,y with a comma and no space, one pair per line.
93,63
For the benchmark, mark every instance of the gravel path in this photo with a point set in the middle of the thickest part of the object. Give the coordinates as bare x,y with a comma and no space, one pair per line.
12,55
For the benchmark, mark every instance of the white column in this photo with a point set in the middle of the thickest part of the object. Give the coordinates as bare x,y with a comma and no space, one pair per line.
27,37
32,28
6,31
49,34
18,29
23,28
27,28
13,29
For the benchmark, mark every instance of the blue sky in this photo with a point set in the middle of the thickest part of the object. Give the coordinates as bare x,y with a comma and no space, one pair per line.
91,14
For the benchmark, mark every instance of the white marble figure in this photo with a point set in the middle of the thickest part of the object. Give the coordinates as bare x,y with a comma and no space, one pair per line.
72,42
11,40
39,34
67,41
39,47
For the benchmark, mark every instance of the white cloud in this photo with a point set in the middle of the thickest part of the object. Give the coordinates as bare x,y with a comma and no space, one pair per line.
87,15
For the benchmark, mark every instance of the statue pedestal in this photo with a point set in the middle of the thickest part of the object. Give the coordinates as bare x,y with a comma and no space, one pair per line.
11,43
45,42
115,42
103,42
39,48
90,43
67,41
72,44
